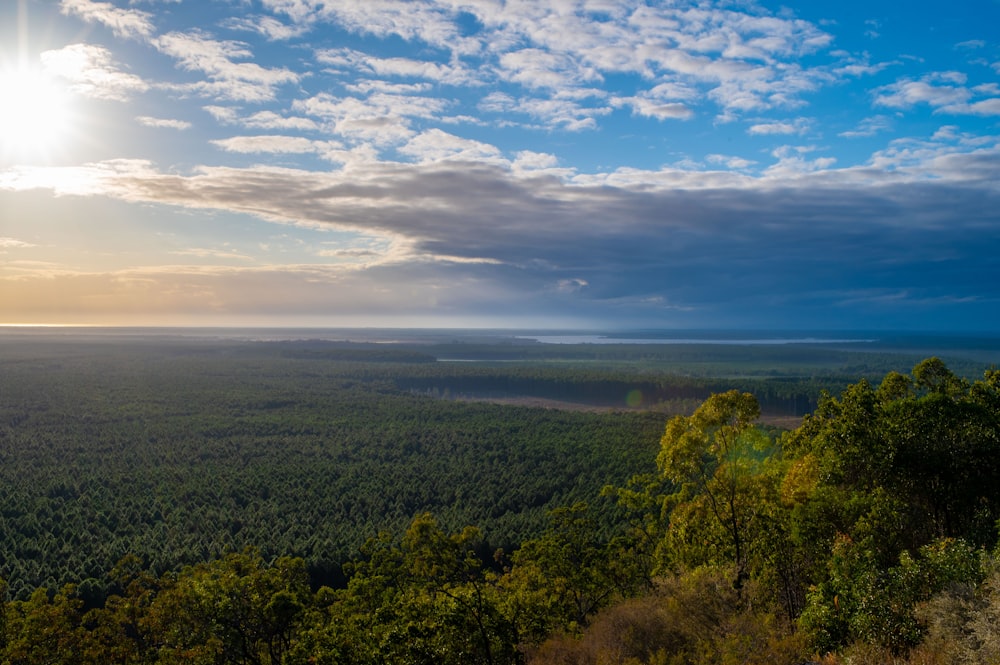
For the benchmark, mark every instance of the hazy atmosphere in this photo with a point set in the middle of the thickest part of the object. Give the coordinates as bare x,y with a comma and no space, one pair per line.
567,163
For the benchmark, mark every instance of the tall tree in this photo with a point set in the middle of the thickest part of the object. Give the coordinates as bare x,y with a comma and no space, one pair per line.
714,459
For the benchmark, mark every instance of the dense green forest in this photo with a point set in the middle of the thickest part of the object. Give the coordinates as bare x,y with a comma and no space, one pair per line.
180,454
206,501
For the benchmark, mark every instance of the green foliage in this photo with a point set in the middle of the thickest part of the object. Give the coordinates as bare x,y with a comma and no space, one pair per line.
233,610
717,462
861,602
179,453
931,443
905,491
884,497
231,483
559,580
45,630
427,598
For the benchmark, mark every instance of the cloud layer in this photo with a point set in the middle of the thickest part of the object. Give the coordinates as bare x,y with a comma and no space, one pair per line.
469,237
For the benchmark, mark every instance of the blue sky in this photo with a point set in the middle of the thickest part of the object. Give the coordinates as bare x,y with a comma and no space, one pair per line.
528,163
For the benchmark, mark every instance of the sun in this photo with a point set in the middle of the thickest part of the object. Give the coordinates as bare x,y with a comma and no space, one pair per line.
36,116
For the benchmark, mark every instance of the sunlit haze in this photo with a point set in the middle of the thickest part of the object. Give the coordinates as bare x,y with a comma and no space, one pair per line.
586,163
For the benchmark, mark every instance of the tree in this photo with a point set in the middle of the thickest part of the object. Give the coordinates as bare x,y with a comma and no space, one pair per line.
234,610
46,630
560,579
897,488
425,598
447,565
714,458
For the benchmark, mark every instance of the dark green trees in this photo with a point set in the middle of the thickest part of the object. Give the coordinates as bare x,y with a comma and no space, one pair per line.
905,490
427,597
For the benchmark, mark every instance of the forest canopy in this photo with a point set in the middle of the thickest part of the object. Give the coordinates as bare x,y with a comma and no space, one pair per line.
161,510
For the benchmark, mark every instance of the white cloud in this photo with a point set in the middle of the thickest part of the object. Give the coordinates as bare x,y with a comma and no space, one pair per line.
13,243
856,65
92,72
729,161
662,102
267,26
379,132
538,68
240,81
956,78
662,110
268,144
946,92
985,107
868,127
949,154
368,87
123,22
211,253
572,285
946,133
271,120
435,146
797,126
971,44
358,61
358,156
167,123
351,254
381,118
225,114
566,114
416,106
299,11
907,93
764,88
742,57
422,20
529,160
497,102
792,162
376,106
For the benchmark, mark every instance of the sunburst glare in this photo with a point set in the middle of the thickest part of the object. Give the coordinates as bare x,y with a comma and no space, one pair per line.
36,116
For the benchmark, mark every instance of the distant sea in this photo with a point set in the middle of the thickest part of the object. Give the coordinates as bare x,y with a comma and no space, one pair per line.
918,341
730,338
